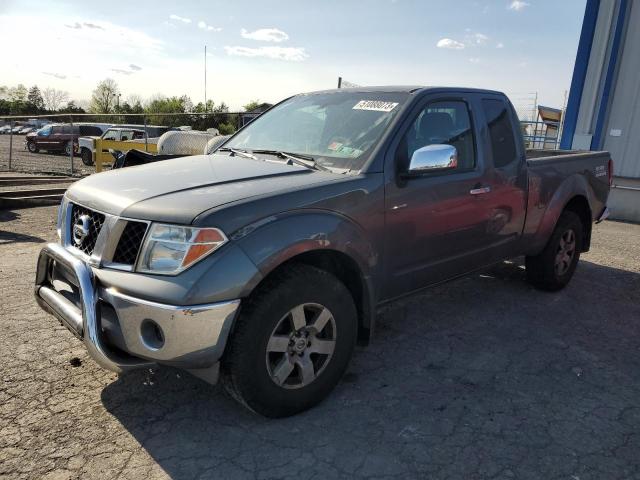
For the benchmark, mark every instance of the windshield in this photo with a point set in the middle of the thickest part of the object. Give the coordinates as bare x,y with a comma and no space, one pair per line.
338,129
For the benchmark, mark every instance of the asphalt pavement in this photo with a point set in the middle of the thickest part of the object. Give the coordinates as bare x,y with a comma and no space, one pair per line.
483,377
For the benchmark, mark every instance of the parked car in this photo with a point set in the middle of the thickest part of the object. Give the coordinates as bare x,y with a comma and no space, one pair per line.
16,129
266,261
59,137
5,129
99,146
25,130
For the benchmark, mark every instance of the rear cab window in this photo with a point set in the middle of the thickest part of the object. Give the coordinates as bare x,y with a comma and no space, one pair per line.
501,131
111,135
126,135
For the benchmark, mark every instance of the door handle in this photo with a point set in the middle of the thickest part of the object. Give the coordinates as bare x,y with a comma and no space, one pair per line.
480,191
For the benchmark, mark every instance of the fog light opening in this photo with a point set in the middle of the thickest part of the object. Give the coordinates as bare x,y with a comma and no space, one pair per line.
151,335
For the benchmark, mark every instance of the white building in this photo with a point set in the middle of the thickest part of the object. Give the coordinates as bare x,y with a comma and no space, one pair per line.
603,110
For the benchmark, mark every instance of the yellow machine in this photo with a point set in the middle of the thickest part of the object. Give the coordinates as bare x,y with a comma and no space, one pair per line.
122,139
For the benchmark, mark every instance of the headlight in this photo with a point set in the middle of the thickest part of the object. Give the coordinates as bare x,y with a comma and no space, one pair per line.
61,211
170,249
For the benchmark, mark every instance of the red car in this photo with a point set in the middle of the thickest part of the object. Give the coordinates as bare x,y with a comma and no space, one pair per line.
59,137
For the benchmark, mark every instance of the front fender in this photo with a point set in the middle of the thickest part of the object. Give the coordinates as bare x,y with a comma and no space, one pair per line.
276,239
545,208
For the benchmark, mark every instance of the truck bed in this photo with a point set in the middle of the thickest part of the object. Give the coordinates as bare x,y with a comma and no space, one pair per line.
554,177
539,157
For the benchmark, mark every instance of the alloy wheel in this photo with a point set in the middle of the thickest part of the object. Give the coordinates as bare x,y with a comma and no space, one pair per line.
301,345
565,252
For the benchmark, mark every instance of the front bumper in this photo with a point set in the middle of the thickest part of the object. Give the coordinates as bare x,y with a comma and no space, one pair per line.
121,332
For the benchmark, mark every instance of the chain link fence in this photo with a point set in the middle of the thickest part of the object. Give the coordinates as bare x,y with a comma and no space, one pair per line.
81,144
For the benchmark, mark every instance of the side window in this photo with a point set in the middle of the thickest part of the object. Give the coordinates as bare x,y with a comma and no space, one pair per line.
111,135
137,134
126,135
503,143
56,130
445,122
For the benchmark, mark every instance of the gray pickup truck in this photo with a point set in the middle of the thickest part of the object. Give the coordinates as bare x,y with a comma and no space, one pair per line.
264,263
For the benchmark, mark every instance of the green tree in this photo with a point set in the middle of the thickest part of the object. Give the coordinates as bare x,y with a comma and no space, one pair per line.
226,128
200,107
18,94
104,97
71,107
159,105
252,105
34,97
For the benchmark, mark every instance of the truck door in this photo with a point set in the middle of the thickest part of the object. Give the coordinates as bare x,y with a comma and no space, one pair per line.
437,222
507,175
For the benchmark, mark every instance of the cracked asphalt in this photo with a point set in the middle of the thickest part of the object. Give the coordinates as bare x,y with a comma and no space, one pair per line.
483,377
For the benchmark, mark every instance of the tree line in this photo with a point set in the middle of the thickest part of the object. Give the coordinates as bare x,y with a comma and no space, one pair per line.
22,101
106,99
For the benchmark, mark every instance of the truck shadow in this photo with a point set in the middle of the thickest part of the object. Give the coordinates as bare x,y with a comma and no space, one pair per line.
13,237
484,365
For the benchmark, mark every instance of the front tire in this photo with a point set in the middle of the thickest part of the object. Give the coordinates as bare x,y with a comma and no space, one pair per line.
32,147
292,342
553,268
87,157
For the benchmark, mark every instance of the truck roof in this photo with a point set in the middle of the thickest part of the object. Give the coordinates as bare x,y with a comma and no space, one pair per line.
410,89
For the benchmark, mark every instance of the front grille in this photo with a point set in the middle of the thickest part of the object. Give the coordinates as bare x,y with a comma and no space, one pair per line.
94,223
130,243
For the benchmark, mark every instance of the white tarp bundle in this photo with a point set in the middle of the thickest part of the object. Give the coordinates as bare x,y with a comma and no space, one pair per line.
184,142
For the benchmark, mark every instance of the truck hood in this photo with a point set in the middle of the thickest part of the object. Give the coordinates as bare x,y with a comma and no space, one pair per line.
177,190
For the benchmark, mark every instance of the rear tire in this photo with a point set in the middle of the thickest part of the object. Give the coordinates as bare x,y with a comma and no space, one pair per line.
68,146
275,368
553,268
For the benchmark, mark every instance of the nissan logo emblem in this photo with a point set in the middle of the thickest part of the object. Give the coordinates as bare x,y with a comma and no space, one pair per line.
81,229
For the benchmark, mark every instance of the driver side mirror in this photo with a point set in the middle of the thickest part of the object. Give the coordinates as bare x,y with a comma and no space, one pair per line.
431,158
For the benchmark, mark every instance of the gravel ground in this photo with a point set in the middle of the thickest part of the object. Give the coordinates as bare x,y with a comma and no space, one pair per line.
480,378
44,162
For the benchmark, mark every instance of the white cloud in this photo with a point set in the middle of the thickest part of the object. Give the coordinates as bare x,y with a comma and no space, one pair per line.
518,5
291,54
179,18
78,25
203,26
59,76
121,71
131,68
474,60
265,35
450,44
500,45
480,38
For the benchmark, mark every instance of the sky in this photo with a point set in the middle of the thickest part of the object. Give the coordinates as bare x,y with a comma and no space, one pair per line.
271,49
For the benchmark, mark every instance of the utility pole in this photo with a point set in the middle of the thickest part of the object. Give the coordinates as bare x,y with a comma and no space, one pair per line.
339,82
205,79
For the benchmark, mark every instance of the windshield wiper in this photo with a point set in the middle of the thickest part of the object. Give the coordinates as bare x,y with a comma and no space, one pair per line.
235,151
299,159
